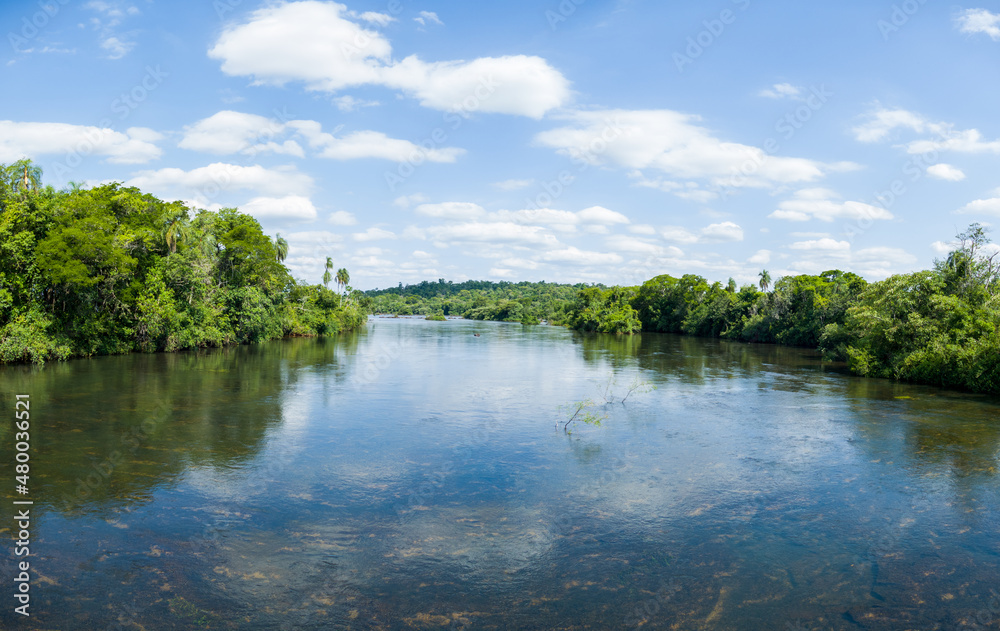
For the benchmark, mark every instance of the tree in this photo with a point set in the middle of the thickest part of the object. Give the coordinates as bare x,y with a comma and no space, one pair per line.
731,286
327,277
343,278
765,280
280,248
176,231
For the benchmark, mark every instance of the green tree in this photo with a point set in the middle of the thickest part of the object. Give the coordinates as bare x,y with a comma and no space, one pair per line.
343,278
327,277
765,280
280,248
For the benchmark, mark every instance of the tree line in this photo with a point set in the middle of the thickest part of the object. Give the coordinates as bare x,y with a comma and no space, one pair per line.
939,326
110,270
502,301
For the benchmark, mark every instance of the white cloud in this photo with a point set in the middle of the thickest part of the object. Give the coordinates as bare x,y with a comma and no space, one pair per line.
634,245
332,53
116,48
945,137
883,121
781,91
821,244
342,218
428,16
513,185
576,256
989,206
815,203
980,21
561,220
381,19
19,140
671,142
458,211
642,229
726,231
760,257
601,216
492,232
349,103
229,132
204,184
368,144
373,234
294,207
404,201
945,172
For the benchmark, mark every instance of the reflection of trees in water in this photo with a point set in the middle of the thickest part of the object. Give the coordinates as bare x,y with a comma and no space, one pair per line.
696,360
112,429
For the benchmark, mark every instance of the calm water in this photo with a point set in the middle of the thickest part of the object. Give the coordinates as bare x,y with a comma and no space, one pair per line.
411,476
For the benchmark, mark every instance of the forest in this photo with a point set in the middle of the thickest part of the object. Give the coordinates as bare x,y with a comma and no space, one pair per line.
111,270
525,302
938,327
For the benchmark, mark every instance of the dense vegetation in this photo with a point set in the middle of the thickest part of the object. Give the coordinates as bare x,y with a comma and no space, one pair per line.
480,300
938,327
112,270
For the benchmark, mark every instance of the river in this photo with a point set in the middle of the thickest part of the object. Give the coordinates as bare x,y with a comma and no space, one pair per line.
416,476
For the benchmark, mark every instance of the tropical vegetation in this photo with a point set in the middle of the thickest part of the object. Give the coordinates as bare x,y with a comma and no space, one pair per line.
111,270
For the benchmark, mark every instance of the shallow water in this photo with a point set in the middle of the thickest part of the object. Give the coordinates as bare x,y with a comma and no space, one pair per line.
414,476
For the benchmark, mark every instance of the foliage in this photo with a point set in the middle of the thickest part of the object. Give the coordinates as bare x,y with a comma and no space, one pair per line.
581,411
113,270
525,302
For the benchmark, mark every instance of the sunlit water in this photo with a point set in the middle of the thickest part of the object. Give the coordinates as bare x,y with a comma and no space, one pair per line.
415,476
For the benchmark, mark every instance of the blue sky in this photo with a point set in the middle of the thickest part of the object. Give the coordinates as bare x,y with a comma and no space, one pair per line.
587,140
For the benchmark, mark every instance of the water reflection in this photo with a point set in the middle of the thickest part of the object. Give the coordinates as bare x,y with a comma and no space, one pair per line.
411,476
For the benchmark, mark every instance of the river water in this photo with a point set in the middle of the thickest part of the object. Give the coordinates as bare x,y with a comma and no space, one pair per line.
416,476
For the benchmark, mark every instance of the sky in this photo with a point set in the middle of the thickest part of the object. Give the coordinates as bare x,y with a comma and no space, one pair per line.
567,141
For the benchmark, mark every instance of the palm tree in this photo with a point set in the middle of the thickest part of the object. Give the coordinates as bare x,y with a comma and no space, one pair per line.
327,277
24,176
280,248
765,280
176,230
731,286
343,278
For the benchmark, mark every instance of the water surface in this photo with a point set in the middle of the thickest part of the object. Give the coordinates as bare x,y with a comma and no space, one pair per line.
414,476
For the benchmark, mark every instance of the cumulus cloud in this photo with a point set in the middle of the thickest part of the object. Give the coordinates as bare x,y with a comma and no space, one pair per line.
945,172
369,144
333,52
32,140
673,143
373,234
496,232
229,132
459,211
204,184
726,231
882,122
987,206
979,21
575,256
818,203
292,207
